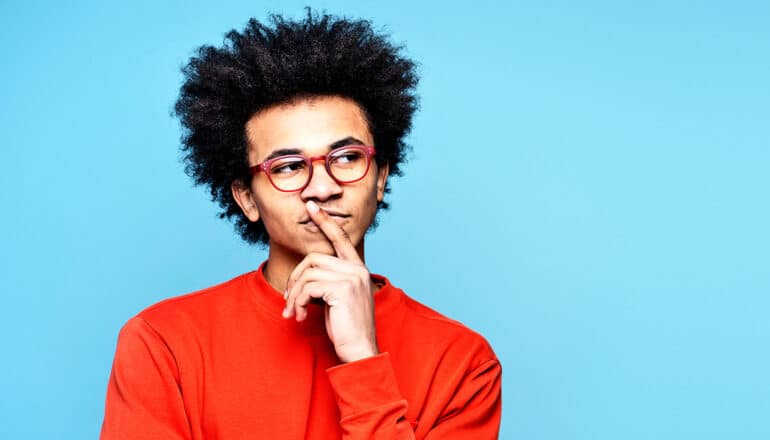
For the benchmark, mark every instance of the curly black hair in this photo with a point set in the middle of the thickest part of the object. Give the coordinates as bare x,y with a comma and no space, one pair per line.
264,66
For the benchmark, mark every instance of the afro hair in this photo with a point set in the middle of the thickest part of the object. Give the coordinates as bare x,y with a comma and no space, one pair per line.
263,66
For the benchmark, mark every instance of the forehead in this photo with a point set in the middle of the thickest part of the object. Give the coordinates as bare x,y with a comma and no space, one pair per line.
310,125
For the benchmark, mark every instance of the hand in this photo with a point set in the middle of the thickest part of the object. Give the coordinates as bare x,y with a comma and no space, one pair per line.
343,283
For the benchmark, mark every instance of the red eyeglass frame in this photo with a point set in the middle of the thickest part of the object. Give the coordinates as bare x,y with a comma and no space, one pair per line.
265,166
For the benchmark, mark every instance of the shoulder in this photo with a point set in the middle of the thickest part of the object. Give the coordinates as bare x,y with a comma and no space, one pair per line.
194,307
425,331
439,361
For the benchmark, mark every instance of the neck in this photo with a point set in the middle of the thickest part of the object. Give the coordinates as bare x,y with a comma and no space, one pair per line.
281,262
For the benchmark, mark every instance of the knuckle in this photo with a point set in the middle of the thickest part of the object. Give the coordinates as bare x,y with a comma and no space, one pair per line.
308,290
302,300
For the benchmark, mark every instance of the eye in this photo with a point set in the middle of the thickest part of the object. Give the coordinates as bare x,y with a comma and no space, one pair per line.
347,157
287,167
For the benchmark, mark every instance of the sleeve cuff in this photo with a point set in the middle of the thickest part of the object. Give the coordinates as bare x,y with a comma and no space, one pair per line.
363,384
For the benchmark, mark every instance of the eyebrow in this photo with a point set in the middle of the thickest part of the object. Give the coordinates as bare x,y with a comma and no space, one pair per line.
350,140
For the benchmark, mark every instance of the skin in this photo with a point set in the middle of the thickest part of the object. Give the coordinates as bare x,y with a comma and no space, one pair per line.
317,234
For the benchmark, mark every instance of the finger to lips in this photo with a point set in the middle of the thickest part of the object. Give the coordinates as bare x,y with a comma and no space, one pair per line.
333,266
336,235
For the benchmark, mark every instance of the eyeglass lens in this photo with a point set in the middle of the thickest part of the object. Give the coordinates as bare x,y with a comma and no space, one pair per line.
346,165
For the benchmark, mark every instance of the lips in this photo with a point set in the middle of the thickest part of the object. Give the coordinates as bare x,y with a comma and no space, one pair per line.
333,214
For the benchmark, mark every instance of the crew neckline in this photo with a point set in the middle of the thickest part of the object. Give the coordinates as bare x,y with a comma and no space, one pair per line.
270,302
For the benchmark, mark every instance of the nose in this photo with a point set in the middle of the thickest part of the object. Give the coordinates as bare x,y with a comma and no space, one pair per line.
321,186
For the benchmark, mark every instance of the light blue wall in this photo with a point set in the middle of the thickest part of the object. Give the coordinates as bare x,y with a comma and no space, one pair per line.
589,189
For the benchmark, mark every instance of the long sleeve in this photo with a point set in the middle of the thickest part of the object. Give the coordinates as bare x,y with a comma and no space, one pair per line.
143,396
372,407
474,410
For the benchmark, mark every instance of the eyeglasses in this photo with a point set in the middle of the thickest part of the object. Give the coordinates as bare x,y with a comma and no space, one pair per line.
293,172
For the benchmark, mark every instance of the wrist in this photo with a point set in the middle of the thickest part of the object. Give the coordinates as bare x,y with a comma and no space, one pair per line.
356,353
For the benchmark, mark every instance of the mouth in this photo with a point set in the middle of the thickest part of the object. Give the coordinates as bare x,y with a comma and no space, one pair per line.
337,216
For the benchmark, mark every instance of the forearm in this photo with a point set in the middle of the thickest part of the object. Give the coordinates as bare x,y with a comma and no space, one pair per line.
372,406
370,403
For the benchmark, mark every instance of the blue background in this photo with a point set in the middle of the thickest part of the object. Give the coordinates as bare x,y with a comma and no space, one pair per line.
611,238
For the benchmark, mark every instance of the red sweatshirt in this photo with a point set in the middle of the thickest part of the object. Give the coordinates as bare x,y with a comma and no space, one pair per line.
222,363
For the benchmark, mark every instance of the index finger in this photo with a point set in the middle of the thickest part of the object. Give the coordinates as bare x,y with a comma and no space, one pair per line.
339,239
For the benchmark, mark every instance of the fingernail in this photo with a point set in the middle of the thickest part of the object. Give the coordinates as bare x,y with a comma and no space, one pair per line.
285,313
312,207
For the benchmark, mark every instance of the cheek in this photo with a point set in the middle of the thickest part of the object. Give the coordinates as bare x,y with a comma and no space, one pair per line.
369,207
274,219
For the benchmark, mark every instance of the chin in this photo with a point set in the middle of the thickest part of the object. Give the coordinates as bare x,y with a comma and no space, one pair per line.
325,248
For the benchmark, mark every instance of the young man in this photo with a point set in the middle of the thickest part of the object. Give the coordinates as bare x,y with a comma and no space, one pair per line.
295,129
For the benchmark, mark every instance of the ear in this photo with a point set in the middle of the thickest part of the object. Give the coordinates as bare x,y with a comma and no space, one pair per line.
245,199
382,179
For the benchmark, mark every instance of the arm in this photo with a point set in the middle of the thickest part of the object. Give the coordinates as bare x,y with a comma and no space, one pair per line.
143,397
372,407
474,410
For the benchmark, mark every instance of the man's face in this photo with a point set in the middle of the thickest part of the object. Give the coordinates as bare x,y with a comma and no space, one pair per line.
312,127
